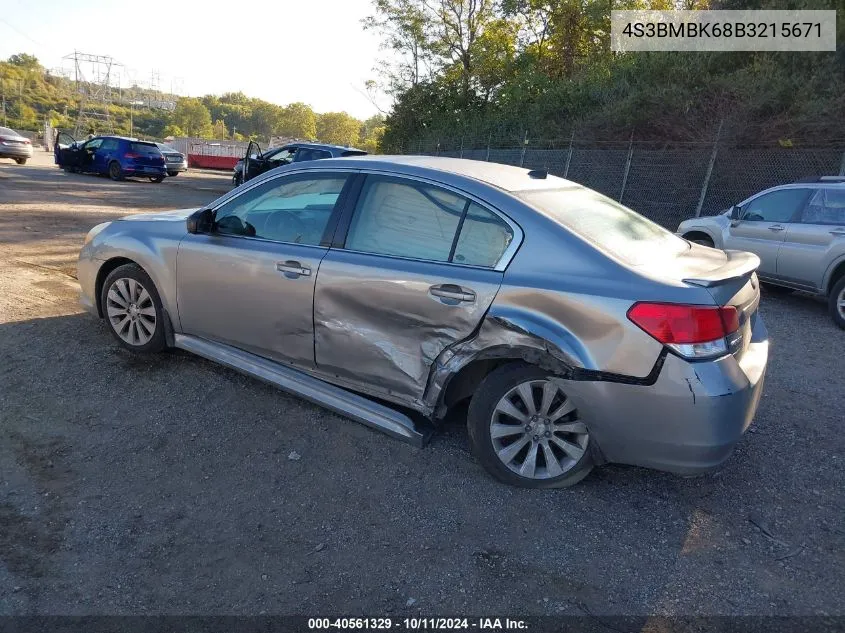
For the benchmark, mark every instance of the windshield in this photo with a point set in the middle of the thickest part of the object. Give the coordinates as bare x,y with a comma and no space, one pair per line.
611,226
166,148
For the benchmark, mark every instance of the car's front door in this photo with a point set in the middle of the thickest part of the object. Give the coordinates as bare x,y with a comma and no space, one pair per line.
64,150
88,153
414,272
763,223
812,243
249,282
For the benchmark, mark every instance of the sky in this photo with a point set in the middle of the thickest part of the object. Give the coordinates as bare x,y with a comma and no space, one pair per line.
282,51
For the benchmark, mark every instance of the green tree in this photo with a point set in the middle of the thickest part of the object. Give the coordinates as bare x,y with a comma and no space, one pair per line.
339,128
22,60
219,130
298,121
192,117
266,118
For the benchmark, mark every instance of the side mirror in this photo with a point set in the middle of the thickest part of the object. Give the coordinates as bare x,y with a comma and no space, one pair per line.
735,213
200,222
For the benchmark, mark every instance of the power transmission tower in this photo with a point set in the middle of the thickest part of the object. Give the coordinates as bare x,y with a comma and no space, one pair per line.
93,84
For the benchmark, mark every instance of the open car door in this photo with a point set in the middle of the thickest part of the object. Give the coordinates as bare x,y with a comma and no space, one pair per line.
253,161
66,152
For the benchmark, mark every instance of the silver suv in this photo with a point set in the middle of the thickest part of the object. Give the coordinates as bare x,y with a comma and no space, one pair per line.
797,231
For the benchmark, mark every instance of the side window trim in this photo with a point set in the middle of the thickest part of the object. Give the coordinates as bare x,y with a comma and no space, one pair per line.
339,241
331,226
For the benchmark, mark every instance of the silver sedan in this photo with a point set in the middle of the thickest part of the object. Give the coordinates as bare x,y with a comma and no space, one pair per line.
393,289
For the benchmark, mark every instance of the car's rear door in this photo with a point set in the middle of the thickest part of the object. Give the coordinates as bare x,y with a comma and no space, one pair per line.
762,226
249,282
414,268
107,151
812,243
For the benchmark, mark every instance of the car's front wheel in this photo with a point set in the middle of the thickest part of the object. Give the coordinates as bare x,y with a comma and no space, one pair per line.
526,431
173,174
20,161
133,309
156,179
836,301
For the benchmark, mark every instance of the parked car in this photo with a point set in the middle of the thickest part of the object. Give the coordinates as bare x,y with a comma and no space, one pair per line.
116,156
14,146
578,331
256,162
797,231
175,161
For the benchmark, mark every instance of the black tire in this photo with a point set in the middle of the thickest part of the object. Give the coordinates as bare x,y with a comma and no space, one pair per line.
173,174
837,298
156,179
115,172
237,180
157,341
701,239
481,409
20,161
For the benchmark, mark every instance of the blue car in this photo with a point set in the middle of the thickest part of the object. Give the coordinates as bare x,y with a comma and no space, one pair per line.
116,156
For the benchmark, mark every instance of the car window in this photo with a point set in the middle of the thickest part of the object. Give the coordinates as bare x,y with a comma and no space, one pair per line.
775,206
93,144
405,219
483,239
109,144
294,210
144,148
613,227
308,153
826,206
282,156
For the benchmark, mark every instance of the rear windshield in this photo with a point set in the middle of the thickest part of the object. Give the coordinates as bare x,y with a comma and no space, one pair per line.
167,148
6,131
609,225
144,148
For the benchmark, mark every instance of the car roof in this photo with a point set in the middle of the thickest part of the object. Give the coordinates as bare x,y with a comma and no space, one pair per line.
506,177
341,148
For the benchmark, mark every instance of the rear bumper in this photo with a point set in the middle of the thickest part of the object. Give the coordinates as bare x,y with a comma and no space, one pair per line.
171,167
688,421
15,151
144,170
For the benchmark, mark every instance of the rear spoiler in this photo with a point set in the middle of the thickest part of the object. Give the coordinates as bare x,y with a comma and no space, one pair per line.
740,264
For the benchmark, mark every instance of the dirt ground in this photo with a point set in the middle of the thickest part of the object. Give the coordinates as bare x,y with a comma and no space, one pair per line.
167,484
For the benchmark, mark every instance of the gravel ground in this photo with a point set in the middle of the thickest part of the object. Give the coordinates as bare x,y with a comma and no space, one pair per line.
135,485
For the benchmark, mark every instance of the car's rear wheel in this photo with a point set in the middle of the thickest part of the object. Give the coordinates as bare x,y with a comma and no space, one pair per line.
133,309
115,172
156,179
526,431
836,301
20,161
700,238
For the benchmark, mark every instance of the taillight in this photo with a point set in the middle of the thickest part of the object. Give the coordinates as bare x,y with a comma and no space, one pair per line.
131,155
27,142
690,330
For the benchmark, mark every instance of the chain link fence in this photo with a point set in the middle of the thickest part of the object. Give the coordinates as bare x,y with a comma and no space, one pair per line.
668,184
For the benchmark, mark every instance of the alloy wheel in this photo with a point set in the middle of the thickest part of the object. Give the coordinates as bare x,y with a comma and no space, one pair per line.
840,303
536,432
131,311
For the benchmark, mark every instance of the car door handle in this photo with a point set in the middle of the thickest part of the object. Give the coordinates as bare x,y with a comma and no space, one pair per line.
777,228
452,292
292,269
839,232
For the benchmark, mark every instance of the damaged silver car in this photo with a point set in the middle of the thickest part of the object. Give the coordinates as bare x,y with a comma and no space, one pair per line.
393,289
